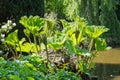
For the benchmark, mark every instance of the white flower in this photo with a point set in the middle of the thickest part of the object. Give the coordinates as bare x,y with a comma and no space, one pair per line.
2,40
2,35
17,61
4,27
1,51
21,62
86,55
9,21
14,24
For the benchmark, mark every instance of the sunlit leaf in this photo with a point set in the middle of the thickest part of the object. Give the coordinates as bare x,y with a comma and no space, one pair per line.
32,23
15,77
55,46
30,78
12,38
95,31
108,48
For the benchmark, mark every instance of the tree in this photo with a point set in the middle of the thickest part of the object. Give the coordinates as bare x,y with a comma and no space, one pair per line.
96,12
14,9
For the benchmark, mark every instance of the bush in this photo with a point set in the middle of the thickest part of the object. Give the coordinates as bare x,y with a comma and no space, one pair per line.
26,69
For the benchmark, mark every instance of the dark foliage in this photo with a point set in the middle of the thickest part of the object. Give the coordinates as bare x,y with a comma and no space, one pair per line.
14,9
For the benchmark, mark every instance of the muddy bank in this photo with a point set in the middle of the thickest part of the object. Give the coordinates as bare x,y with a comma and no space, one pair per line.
108,57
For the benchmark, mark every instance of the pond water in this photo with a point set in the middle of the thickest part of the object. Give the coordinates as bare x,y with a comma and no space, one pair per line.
108,65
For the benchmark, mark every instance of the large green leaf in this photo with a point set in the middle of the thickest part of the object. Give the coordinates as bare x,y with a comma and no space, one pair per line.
100,44
57,40
33,23
26,47
55,46
95,31
12,38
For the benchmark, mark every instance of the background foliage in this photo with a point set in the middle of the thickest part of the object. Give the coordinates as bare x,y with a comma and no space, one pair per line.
98,12
14,9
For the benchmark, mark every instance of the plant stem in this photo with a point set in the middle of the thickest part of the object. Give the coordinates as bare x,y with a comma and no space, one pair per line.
91,59
20,49
30,43
47,53
88,59
35,43
90,45
15,50
9,47
54,56
39,42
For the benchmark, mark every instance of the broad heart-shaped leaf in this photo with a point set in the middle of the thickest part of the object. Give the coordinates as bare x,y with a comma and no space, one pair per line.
100,44
33,23
24,47
12,38
57,41
27,47
95,31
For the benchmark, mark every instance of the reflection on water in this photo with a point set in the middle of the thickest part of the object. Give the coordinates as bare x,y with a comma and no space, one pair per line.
107,71
108,65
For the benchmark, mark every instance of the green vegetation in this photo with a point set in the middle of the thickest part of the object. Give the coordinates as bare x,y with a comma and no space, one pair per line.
47,36
59,46
32,67
97,12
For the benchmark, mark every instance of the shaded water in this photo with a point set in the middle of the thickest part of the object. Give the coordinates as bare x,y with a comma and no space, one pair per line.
108,65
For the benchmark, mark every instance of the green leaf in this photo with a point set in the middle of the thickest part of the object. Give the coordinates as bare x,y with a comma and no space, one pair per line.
70,47
33,23
44,39
22,41
82,52
12,38
108,48
1,59
15,77
100,44
82,66
30,78
27,32
55,46
95,31
26,47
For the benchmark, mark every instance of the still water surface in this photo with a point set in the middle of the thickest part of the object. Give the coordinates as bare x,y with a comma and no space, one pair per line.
108,65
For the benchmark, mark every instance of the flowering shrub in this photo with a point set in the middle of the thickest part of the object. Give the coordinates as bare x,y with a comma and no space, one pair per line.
4,30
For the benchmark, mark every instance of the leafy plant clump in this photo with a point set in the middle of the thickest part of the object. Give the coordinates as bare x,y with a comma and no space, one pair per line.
59,48
32,67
